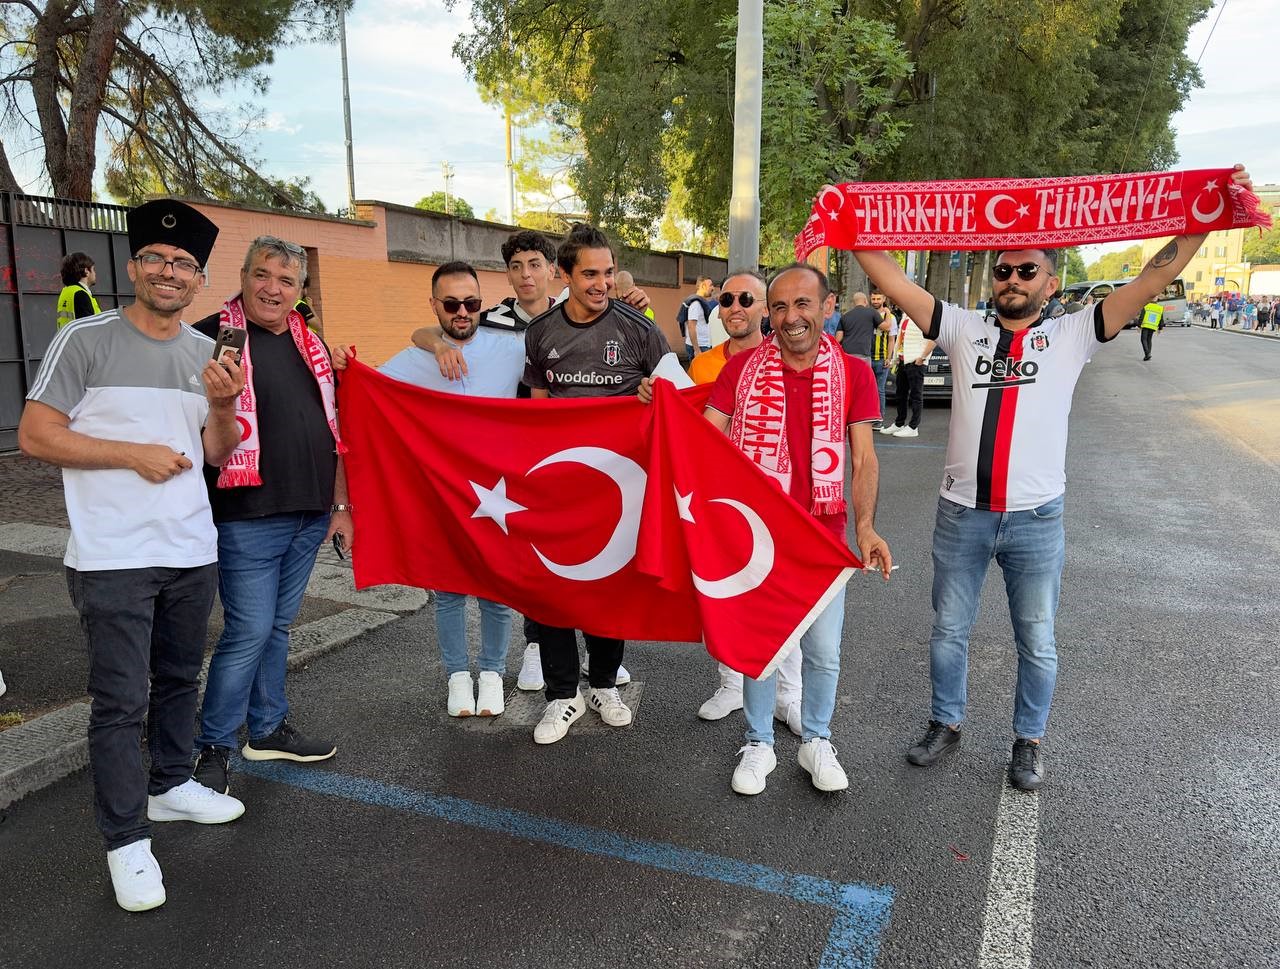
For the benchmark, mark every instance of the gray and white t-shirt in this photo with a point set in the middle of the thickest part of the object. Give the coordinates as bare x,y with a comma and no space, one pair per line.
607,357
117,384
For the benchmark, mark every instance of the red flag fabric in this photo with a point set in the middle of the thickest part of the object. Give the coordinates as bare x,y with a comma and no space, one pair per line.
1012,213
626,520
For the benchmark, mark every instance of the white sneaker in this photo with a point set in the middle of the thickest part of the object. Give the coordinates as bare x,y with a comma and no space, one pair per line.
557,718
531,669
622,679
462,696
136,877
788,712
891,429
608,703
490,699
721,703
818,757
758,762
2,686
192,801
906,432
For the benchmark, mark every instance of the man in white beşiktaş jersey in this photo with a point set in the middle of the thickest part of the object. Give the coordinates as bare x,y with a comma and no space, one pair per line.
1002,492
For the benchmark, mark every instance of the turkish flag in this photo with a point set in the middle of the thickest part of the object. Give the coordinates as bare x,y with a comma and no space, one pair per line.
606,515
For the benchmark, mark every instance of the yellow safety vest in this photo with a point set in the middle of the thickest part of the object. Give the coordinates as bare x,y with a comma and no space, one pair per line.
1152,314
67,304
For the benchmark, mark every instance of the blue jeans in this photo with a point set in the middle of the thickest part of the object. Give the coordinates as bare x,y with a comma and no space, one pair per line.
263,568
819,671
1029,546
881,369
451,631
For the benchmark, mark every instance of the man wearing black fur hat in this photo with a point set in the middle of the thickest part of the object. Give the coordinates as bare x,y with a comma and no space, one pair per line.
129,403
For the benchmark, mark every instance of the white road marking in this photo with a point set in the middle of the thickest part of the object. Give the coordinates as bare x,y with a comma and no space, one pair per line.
1011,888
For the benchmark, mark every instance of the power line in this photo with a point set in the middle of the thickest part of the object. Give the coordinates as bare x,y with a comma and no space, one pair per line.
1211,30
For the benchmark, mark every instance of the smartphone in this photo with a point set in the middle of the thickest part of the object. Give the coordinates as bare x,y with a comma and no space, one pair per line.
230,344
339,544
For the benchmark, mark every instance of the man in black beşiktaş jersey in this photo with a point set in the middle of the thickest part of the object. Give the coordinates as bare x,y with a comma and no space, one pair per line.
1013,376
587,346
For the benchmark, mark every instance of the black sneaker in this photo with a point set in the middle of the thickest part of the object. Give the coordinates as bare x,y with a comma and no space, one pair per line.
1026,770
211,769
938,741
285,743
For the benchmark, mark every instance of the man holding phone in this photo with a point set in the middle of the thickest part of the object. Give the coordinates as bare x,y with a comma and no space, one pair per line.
125,403
276,498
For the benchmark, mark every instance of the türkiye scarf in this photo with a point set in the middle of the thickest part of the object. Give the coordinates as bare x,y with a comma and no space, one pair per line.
759,427
1017,213
241,469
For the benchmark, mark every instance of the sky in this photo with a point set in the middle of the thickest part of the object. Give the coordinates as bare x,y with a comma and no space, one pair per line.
413,106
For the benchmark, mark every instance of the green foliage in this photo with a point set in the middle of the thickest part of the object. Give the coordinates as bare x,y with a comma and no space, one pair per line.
1072,265
1264,249
133,75
454,205
1111,265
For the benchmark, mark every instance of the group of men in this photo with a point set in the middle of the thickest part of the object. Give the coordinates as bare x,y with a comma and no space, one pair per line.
128,401
184,475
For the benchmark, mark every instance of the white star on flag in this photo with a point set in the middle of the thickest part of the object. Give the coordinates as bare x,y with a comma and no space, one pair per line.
683,502
495,504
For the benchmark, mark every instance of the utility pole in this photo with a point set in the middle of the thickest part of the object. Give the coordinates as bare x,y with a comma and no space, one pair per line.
346,116
447,170
744,203
511,173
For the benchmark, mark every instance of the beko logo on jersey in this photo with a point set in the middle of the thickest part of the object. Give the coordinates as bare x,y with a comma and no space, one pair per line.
578,377
1006,373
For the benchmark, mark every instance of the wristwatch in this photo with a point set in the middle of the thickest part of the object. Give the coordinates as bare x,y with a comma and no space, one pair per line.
342,508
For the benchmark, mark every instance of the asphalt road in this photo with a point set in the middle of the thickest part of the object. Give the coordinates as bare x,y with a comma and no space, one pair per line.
430,842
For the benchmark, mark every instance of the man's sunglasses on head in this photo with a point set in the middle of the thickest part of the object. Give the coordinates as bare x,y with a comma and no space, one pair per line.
744,300
452,305
1026,271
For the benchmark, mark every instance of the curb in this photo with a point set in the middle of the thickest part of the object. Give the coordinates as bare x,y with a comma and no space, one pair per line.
43,751
1235,329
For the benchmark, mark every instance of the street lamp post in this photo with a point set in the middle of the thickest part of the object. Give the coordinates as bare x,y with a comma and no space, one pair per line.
744,203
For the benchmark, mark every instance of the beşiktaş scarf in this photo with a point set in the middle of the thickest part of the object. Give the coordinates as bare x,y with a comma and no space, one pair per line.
241,469
759,426
1027,213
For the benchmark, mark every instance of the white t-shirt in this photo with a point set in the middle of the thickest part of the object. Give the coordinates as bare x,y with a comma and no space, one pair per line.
698,319
118,384
1010,400
495,364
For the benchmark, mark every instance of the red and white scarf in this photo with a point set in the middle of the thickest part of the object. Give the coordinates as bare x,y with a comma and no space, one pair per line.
241,469
1027,213
759,426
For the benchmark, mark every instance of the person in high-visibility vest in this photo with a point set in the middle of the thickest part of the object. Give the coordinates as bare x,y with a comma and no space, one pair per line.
1152,320
75,300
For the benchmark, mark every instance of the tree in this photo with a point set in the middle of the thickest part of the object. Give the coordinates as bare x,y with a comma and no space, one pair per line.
1111,265
452,205
134,73
1263,249
1072,265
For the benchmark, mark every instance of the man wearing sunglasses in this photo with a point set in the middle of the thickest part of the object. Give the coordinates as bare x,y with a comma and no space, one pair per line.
1002,490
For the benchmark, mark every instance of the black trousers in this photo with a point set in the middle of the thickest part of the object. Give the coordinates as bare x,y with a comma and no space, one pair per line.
1145,338
910,388
559,650
532,631
145,630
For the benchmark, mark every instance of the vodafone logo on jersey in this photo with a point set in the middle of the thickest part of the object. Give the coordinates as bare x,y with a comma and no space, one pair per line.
1005,372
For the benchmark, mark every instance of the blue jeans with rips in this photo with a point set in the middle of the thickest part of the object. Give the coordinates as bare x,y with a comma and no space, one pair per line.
819,670
451,630
1029,547
263,568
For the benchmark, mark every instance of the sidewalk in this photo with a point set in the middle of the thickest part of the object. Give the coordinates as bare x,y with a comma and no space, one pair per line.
1268,334
45,713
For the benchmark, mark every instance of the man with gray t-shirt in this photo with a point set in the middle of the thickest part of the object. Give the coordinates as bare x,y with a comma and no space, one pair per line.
129,403
587,346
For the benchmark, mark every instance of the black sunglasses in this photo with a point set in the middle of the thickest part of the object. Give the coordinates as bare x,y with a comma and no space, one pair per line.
1027,271
744,300
452,305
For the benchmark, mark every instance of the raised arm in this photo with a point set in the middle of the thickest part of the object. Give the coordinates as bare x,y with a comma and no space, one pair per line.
884,271
1126,302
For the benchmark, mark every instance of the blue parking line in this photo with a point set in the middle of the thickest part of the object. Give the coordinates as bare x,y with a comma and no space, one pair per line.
861,911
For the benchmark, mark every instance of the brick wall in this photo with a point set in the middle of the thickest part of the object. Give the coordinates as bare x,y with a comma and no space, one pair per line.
361,296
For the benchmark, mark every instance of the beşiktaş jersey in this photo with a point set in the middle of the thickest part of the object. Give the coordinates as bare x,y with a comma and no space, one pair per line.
509,315
1010,400
118,384
607,357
